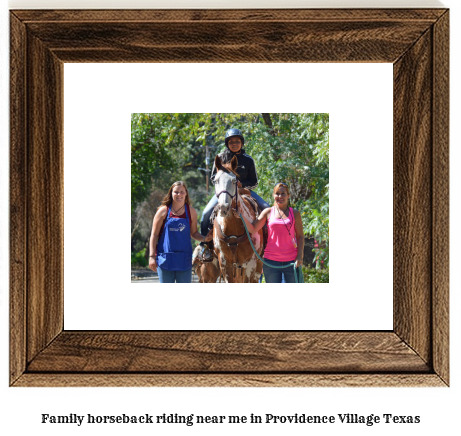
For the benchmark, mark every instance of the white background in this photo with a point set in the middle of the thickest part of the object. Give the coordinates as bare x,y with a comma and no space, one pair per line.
21,408
97,172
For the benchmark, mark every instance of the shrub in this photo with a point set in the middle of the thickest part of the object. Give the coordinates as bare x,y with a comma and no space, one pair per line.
312,275
139,258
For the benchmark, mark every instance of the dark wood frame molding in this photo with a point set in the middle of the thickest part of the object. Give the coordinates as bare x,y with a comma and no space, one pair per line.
414,353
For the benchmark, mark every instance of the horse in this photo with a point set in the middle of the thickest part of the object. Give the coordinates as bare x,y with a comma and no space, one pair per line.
207,272
237,261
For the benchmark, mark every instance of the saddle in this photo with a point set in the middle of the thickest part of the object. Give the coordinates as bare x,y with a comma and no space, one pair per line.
258,211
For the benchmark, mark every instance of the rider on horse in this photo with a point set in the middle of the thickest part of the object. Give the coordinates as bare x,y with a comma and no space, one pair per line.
247,178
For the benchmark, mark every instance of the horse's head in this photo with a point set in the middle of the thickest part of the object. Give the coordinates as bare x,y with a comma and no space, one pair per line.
225,182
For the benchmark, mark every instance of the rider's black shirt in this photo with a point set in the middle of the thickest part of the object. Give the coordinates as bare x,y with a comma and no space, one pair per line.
246,170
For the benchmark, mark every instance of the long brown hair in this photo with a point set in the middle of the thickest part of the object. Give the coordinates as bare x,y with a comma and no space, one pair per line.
168,199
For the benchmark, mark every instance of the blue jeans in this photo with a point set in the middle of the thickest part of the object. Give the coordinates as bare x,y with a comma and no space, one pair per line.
274,275
205,221
167,276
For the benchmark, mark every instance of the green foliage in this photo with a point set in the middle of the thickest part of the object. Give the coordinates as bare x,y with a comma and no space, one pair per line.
139,258
163,150
314,275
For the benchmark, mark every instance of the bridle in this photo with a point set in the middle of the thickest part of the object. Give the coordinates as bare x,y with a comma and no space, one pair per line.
224,191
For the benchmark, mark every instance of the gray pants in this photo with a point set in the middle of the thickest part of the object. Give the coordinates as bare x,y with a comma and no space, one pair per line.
205,221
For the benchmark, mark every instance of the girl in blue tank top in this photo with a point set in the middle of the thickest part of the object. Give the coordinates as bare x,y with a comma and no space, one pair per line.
170,245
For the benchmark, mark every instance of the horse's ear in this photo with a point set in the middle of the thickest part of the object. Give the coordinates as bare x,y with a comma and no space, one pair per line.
234,163
217,163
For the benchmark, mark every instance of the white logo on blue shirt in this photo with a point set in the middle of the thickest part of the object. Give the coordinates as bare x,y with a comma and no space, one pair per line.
180,228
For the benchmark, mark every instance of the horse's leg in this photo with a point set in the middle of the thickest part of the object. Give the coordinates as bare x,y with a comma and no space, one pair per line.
204,273
219,254
240,275
223,267
213,270
227,272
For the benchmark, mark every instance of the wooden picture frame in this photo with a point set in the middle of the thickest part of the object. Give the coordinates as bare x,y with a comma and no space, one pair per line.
414,353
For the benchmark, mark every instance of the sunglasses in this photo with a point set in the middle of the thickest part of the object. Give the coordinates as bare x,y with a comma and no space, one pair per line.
281,183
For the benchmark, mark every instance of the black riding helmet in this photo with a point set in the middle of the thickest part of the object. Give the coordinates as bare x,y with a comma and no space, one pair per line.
234,132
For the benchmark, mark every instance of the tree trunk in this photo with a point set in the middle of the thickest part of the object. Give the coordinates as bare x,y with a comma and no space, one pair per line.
268,122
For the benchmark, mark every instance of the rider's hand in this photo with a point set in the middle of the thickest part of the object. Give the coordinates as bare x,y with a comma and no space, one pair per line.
239,184
208,237
153,264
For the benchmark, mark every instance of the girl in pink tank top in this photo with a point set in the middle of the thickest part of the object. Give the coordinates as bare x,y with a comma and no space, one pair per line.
285,243
281,241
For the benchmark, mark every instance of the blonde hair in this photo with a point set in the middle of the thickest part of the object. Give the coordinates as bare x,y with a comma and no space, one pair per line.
168,199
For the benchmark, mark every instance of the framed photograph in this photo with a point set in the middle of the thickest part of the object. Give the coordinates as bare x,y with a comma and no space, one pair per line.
293,147
414,353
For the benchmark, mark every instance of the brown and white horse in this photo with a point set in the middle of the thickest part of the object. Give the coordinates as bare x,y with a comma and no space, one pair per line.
237,261
207,272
